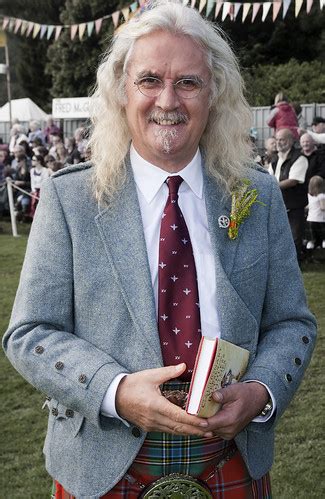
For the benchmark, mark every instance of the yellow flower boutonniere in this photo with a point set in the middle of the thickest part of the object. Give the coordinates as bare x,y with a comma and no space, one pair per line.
241,201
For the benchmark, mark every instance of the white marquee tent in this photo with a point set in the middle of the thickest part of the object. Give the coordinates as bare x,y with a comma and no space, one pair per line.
23,110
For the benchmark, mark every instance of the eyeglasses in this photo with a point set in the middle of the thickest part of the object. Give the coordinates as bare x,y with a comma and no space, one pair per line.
186,88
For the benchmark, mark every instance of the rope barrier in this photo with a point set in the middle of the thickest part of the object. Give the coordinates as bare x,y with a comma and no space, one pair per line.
10,186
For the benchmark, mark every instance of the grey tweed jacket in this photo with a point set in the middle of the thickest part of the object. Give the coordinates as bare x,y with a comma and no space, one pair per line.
84,312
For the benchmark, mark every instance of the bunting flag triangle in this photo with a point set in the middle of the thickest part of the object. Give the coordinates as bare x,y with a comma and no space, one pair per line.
82,29
266,8
218,8
185,2
210,5
18,23
225,10
50,30
246,7
126,13
134,6
73,30
90,27
193,3
286,4
24,26
115,17
36,30
309,5
58,30
30,28
321,4
98,25
298,5
202,5
236,9
43,30
256,8
5,22
12,22
276,9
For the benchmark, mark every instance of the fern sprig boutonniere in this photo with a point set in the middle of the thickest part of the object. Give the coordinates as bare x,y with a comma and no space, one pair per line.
242,200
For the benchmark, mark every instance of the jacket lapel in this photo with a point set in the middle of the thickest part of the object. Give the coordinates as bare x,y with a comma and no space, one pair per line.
233,313
121,230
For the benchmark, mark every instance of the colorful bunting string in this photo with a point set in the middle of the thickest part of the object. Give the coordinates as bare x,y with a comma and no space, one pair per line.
228,9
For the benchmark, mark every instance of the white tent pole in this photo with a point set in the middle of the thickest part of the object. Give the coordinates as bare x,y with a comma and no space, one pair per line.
12,208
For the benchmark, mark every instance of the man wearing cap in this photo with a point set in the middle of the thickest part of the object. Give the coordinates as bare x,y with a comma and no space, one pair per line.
137,254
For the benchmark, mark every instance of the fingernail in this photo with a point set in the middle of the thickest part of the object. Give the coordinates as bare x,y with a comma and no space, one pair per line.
209,434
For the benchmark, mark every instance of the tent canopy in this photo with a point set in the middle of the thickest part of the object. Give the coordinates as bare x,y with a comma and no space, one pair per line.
23,110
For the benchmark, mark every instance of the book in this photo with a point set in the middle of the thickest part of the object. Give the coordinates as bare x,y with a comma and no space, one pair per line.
219,363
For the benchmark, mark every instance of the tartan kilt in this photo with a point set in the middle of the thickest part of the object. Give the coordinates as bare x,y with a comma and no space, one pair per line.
163,454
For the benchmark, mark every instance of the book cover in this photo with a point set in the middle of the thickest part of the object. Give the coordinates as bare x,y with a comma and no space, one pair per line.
219,363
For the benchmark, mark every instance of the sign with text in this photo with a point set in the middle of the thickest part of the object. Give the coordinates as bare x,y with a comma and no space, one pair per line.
73,107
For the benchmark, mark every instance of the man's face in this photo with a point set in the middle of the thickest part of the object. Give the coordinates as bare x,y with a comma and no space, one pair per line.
166,129
284,141
18,150
319,128
270,145
307,144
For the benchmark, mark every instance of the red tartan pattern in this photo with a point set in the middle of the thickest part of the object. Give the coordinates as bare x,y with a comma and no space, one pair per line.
231,482
163,453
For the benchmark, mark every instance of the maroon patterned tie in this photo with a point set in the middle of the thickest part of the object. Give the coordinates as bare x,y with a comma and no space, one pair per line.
178,300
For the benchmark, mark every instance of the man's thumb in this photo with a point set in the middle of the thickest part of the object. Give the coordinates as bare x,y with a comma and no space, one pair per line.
171,372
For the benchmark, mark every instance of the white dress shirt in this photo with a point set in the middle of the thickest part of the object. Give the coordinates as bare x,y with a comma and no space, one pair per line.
152,193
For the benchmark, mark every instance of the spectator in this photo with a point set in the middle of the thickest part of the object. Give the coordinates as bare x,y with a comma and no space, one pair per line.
17,151
51,129
318,130
73,153
35,132
316,159
55,140
270,153
61,153
316,212
283,116
21,178
38,174
290,170
80,136
17,135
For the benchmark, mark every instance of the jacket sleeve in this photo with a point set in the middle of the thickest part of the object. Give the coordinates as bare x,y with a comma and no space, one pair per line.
40,341
271,119
287,328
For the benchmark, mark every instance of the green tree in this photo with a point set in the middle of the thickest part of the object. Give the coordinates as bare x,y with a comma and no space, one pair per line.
72,64
28,55
302,82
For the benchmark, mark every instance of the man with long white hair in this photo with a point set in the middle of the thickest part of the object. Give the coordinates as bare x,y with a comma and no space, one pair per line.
137,254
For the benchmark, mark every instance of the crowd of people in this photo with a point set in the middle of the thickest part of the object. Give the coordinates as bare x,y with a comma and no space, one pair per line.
296,157
32,156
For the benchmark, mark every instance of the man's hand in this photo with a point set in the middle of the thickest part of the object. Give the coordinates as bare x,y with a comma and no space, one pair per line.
241,402
139,401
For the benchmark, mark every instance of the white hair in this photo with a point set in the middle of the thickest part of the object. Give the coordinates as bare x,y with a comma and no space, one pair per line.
224,143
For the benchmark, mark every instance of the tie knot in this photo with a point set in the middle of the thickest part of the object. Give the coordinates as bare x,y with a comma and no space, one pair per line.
173,185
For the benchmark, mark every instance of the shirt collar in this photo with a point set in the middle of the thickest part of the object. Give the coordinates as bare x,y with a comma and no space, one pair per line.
149,178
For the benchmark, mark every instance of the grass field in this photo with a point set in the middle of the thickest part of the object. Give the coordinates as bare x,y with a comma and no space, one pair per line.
298,471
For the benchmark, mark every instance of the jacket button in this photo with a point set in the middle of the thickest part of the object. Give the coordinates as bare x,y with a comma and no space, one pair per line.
289,378
297,361
69,413
305,339
136,432
82,378
59,365
39,349
55,412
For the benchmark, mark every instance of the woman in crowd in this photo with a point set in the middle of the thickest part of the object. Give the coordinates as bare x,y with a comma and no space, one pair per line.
38,174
